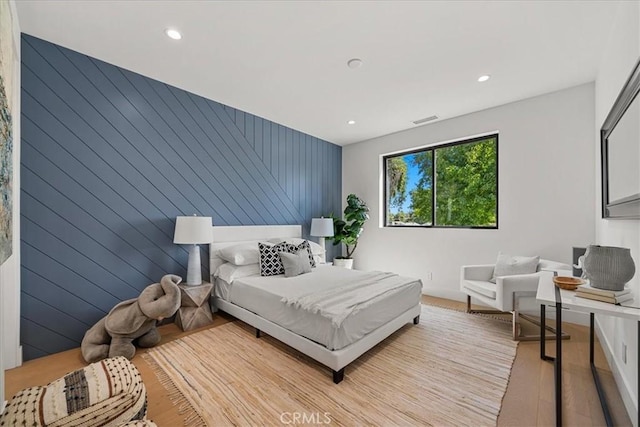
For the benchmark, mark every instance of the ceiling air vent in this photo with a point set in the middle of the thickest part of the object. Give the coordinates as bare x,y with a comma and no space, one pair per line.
425,120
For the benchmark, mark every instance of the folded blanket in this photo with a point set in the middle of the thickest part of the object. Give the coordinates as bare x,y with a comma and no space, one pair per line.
339,303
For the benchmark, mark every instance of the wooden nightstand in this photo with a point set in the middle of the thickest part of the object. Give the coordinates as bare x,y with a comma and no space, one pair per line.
194,311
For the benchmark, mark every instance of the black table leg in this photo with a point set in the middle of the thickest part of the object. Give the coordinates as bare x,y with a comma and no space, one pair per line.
594,372
543,341
558,361
543,318
591,338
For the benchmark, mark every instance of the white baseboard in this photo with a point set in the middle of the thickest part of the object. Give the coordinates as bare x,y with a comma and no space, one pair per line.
622,384
528,305
454,295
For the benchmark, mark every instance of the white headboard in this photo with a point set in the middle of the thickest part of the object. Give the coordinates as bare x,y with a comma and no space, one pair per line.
224,236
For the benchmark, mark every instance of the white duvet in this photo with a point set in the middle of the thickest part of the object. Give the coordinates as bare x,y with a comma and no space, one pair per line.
264,296
348,296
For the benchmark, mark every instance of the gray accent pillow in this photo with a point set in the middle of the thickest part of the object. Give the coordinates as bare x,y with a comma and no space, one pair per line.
292,248
508,265
295,264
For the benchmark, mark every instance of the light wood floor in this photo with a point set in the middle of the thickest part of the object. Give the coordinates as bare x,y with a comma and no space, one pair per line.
529,399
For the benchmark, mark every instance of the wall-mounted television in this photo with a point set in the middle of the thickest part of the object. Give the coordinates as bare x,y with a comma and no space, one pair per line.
620,147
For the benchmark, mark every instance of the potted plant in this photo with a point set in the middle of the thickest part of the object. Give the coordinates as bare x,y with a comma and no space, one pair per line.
348,231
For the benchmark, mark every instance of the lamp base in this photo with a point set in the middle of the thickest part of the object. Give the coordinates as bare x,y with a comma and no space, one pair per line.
194,272
324,251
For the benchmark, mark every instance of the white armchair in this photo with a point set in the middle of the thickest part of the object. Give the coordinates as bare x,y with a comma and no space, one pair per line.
504,294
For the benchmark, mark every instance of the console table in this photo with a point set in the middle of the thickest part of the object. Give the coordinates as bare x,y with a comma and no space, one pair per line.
550,294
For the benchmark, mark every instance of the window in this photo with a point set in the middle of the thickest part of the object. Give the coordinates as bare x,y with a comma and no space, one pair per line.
451,185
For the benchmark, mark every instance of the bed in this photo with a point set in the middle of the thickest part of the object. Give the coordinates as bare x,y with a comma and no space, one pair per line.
266,302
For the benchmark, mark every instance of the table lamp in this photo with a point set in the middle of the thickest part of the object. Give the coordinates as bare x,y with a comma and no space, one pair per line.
193,230
321,228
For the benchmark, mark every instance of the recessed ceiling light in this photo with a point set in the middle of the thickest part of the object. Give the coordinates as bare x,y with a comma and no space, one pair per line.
173,34
354,63
351,122
484,78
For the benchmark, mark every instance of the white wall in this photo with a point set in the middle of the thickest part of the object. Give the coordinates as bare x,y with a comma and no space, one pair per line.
622,53
546,193
10,353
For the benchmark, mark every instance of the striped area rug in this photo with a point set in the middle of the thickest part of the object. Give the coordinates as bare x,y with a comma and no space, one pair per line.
451,369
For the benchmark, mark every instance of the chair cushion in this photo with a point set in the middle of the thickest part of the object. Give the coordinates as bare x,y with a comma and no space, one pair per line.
105,393
486,289
508,265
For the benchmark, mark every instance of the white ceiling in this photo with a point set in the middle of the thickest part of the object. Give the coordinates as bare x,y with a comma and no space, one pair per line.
286,60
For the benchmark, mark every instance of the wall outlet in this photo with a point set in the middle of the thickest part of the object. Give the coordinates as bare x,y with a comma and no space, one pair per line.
624,353
430,276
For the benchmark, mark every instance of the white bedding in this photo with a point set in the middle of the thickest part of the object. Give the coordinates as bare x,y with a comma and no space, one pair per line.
264,295
349,297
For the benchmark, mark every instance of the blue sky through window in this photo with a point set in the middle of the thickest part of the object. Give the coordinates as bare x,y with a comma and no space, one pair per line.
413,176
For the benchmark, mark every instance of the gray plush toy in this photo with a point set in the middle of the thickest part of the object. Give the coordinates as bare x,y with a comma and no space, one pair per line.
132,320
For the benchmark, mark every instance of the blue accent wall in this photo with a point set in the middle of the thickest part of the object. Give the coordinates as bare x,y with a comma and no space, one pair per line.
110,158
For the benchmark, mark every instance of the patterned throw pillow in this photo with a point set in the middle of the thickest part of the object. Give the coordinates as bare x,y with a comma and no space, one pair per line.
270,263
303,246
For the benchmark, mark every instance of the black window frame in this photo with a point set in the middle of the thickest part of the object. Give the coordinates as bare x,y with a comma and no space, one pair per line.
433,148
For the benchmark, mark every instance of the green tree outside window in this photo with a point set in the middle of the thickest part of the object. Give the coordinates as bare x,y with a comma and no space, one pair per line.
463,175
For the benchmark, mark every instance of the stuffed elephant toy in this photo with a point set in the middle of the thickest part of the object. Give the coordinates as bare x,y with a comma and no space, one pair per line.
132,321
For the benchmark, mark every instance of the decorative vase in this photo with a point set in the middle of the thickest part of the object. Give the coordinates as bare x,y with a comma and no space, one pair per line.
608,267
343,262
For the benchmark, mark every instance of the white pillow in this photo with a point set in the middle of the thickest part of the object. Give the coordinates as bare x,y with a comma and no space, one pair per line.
316,249
241,254
229,272
508,265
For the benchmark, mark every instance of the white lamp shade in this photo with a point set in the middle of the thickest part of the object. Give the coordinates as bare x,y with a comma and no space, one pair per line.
321,227
192,230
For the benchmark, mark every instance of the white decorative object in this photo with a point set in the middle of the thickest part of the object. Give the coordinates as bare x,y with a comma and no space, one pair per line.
343,262
193,230
321,228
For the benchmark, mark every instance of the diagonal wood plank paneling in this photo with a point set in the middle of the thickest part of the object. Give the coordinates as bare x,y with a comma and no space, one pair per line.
110,158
